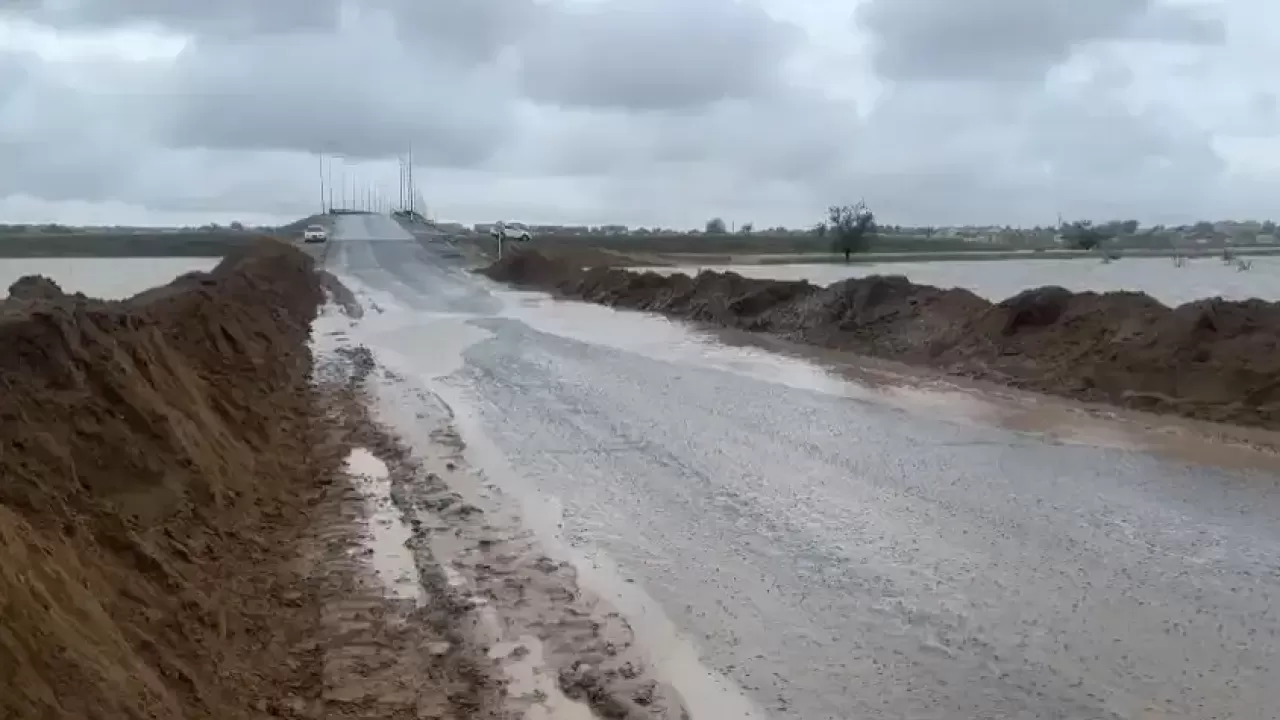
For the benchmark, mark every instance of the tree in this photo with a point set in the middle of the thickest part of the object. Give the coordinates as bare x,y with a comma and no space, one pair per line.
747,228
237,226
820,229
716,226
1129,227
1083,235
1269,228
852,227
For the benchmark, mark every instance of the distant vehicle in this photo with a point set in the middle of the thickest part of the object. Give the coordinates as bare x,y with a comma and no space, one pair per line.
315,234
517,232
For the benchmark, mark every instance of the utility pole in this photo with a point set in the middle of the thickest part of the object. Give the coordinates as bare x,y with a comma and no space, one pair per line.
402,201
412,208
322,208
329,178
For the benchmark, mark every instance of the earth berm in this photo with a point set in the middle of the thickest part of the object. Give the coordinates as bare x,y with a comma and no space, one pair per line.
1211,359
181,532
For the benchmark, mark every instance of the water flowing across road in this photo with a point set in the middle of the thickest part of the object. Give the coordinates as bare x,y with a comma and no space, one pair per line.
832,554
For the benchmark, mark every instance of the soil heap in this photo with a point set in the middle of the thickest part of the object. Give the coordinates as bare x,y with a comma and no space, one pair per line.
154,456
1210,359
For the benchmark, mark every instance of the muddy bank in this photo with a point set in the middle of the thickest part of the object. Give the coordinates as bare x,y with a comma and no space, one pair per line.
157,459
1212,359
511,624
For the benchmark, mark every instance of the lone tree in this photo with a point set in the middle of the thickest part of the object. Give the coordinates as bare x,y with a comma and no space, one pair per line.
716,226
1084,236
851,228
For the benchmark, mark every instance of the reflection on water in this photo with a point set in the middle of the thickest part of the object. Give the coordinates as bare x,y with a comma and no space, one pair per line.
998,279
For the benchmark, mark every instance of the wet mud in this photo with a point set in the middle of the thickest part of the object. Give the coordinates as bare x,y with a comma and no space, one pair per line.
199,518
1212,360
540,644
156,455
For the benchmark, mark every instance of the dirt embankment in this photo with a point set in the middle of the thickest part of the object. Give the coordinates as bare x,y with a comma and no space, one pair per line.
1212,359
155,462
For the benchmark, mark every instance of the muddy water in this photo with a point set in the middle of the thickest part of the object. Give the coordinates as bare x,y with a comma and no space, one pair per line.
109,278
999,279
831,546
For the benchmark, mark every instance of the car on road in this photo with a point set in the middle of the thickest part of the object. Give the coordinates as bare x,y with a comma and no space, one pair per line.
511,232
315,234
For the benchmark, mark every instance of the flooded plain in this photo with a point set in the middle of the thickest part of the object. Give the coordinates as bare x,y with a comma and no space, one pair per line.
106,278
999,279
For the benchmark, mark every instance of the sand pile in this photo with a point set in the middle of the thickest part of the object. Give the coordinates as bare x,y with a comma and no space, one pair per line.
1211,359
153,453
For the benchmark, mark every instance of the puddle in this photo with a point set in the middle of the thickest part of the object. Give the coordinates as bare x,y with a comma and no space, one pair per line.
526,669
388,537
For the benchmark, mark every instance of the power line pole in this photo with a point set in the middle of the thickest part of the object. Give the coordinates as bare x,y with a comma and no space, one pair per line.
402,201
412,206
322,208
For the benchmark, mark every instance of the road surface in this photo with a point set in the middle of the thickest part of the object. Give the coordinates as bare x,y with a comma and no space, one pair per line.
836,556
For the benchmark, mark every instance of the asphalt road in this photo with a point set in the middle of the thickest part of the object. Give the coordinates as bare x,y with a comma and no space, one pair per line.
837,557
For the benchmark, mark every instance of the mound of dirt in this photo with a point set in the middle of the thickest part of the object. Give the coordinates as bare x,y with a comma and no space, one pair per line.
153,453
35,287
340,295
580,254
1212,359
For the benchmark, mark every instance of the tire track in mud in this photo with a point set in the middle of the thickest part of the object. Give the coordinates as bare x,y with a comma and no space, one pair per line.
506,615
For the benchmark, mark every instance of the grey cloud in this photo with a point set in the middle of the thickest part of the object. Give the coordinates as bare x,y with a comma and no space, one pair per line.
643,112
471,32
742,136
230,18
1179,24
654,54
1024,157
46,146
1012,40
358,94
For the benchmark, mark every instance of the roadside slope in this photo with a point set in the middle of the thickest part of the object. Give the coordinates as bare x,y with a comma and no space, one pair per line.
156,453
1212,359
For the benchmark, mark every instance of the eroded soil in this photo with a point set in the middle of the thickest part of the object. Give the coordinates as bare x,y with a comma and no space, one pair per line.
198,509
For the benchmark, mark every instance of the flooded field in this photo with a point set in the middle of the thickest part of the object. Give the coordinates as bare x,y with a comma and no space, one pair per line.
998,279
108,278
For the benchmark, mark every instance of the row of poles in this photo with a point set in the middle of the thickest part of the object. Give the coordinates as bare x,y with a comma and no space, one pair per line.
352,193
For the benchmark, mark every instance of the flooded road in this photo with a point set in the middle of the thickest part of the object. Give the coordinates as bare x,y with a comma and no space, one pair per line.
830,551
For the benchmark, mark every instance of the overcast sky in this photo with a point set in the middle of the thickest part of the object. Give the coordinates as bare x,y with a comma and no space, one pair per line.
645,112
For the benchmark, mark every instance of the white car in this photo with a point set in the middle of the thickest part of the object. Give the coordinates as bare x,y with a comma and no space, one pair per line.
315,234
516,232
